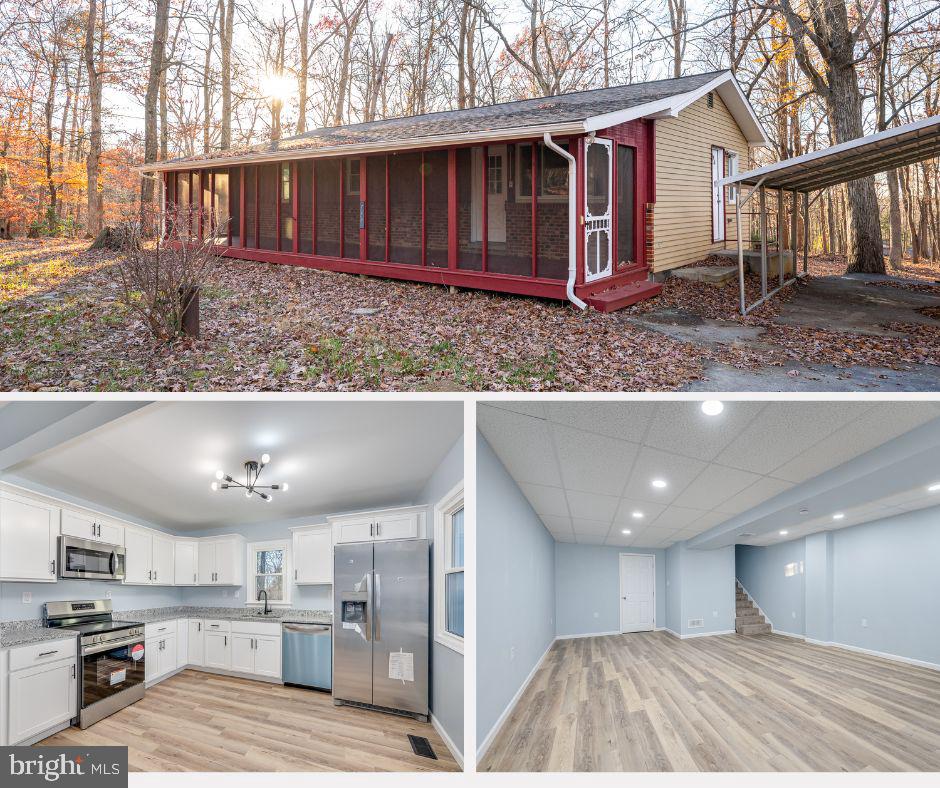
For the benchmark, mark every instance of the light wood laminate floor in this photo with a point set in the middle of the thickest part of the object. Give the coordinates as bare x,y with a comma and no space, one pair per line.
652,702
202,722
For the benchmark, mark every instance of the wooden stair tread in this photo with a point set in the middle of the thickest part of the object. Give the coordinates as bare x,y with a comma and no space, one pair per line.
623,295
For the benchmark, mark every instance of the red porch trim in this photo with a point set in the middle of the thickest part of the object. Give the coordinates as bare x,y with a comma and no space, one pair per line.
295,204
535,215
363,209
342,207
388,212
257,206
580,199
313,204
241,208
486,207
424,214
452,208
277,203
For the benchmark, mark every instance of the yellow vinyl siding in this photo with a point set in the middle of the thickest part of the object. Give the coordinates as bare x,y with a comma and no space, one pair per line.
683,212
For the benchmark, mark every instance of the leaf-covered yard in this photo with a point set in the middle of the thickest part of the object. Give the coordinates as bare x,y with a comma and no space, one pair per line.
269,327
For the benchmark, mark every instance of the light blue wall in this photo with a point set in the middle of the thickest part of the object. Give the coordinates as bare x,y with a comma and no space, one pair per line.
817,584
887,572
587,588
516,592
761,572
673,590
447,676
707,588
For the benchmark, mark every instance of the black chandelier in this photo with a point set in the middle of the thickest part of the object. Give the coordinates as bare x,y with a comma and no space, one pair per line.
253,470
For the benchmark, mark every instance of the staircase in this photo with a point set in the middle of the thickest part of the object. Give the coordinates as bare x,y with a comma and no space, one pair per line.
748,619
625,288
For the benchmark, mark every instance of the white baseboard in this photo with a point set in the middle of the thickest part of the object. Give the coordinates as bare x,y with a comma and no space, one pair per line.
442,732
788,634
588,635
44,735
488,739
673,633
883,654
707,634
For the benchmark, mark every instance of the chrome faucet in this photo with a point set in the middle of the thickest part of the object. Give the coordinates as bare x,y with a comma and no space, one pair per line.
267,609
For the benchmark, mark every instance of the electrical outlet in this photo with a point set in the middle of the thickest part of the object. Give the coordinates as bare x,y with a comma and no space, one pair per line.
27,597
596,614
512,653
864,622
714,614
793,614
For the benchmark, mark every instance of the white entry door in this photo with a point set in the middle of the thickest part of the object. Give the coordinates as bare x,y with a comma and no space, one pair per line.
496,164
598,241
718,202
637,593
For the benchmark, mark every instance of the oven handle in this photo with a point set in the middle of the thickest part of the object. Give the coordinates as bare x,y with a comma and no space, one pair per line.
87,650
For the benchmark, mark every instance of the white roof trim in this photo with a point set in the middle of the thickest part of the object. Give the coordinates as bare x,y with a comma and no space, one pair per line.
770,169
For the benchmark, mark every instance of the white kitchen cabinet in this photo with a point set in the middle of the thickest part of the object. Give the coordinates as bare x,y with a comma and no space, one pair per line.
381,525
161,657
42,697
29,529
221,561
267,656
197,643
218,650
182,642
138,559
312,554
185,563
86,525
163,553
243,656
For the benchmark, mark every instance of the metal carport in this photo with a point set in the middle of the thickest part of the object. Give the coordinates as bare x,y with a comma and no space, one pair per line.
819,170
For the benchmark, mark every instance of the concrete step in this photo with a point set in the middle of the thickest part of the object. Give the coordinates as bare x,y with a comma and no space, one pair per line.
753,629
623,296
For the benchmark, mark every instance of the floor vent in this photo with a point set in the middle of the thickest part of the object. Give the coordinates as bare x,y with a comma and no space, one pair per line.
695,623
422,746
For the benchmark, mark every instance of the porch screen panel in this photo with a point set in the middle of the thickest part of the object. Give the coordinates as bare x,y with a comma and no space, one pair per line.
267,204
194,212
509,225
182,204
351,210
251,208
435,208
375,202
626,204
235,204
469,210
552,213
328,207
286,196
304,199
405,204
220,206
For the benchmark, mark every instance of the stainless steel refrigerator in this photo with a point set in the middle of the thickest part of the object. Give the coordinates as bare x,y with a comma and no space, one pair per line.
380,625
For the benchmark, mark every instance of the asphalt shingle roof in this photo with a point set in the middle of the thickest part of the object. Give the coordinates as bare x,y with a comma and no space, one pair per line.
565,108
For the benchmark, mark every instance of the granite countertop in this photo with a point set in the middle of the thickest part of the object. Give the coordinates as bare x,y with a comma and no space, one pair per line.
277,616
20,633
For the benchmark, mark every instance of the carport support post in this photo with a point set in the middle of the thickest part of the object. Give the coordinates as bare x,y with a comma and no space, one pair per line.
737,217
794,229
805,232
763,241
781,225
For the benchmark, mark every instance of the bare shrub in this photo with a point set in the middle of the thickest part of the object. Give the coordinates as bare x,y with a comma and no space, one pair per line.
162,279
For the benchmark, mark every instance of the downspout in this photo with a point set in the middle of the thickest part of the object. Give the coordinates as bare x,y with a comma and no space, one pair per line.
572,220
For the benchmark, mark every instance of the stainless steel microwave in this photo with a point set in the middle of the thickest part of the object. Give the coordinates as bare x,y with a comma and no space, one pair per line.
86,559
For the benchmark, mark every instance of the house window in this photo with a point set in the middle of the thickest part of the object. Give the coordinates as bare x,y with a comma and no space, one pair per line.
352,176
285,182
449,570
731,169
269,571
494,174
551,177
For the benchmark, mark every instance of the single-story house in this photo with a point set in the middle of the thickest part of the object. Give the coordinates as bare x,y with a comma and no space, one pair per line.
480,197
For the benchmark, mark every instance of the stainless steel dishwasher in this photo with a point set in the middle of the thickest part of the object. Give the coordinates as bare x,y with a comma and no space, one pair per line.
307,655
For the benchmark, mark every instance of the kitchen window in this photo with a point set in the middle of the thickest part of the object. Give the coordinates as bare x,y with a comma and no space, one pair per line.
449,570
269,570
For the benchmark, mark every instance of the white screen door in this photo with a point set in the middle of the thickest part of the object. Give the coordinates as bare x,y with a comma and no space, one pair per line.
495,195
637,593
718,203
598,172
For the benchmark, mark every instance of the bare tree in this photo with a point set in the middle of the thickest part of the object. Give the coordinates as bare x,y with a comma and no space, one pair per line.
157,68
93,216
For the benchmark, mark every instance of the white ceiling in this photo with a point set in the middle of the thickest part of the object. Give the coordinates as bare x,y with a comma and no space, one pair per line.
587,466
157,463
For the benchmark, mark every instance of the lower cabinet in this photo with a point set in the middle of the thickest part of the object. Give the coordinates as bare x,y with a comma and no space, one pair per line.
197,644
161,657
43,691
218,650
257,654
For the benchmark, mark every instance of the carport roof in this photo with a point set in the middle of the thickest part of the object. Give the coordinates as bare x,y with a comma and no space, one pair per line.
850,160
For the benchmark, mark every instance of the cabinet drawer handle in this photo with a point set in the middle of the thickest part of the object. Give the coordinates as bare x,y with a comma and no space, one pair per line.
73,671
225,640
48,653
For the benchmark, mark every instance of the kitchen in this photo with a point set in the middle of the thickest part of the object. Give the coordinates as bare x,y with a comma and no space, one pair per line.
170,575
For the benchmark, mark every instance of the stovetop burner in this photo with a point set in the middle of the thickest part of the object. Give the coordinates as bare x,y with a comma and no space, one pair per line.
92,619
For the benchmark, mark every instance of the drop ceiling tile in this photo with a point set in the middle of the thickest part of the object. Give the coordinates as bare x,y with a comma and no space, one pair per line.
624,420
882,423
545,499
765,488
677,517
651,464
682,428
556,524
784,430
628,506
713,486
526,407
589,526
522,444
592,506
566,538
710,520
593,463
590,538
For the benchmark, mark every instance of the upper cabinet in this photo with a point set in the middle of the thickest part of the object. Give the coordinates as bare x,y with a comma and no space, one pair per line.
221,561
29,529
313,554
186,563
163,560
382,525
86,525
149,558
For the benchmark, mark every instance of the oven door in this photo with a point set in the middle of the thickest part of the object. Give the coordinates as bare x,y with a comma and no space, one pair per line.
110,668
87,560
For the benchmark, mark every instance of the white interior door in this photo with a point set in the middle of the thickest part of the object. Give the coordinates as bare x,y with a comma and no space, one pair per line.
496,174
598,241
718,203
637,593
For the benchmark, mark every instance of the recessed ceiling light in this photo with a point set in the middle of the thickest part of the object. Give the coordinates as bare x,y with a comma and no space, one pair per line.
784,533
804,512
838,516
626,532
934,487
637,515
659,484
712,407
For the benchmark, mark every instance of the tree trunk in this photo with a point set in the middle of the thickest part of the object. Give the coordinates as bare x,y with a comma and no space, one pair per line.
92,163
151,98
894,212
227,21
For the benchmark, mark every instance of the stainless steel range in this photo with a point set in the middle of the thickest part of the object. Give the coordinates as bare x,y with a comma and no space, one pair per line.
111,654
